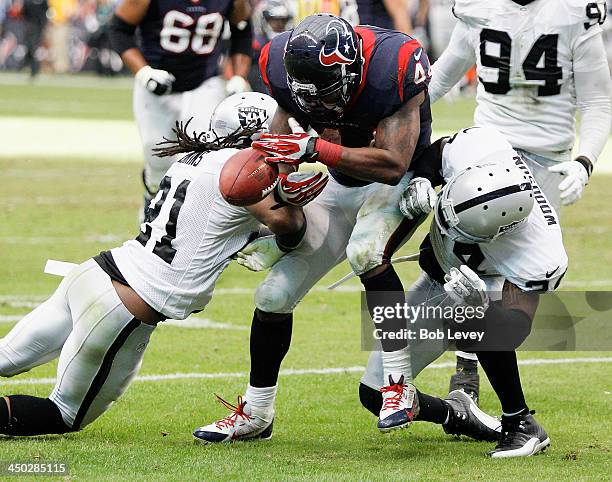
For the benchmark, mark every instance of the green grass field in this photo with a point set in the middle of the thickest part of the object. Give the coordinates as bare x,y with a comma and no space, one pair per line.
69,207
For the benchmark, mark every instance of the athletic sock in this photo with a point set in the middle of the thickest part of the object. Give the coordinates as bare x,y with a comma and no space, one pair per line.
260,399
270,341
396,364
502,370
466,356
31,416
432,409
384,291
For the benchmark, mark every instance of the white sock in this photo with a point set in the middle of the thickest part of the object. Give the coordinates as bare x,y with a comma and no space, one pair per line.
396,363
466,355
260,399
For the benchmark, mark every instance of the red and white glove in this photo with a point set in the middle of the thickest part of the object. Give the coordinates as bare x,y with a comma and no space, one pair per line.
293,149
299,188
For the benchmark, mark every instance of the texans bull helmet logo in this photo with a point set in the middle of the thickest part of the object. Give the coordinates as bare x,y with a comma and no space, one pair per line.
339,47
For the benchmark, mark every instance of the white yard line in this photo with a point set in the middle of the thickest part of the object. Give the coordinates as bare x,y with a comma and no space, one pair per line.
111,139
309,371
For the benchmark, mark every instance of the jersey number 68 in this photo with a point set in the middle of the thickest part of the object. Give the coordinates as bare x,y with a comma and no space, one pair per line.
176,34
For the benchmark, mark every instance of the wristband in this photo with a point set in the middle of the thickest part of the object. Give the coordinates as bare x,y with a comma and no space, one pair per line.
586,163
328,153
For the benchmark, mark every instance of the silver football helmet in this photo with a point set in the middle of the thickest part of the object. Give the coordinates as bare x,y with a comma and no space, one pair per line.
482,202
239,110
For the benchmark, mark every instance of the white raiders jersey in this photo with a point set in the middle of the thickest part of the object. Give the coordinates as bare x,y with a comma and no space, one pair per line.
531,255
188,240
524,57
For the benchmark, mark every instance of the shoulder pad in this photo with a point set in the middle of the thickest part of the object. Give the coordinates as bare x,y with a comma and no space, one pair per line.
476,12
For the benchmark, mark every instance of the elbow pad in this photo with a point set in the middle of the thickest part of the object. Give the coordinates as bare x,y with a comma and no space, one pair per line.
121,35
242,39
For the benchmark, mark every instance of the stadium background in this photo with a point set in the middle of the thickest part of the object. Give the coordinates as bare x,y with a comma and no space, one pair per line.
70,159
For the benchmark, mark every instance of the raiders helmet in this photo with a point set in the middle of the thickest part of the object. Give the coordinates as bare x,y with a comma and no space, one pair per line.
483,202
324,65
240,110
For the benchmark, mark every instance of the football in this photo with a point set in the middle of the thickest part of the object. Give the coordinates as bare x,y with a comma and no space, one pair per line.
246,178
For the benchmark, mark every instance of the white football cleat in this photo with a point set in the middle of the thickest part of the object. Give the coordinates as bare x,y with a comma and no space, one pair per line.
240,424
400,405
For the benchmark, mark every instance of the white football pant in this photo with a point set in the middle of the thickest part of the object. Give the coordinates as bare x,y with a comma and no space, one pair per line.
361,223
99,343
156,116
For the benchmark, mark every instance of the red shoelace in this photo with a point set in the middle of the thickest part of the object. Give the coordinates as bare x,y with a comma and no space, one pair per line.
237,412
393,402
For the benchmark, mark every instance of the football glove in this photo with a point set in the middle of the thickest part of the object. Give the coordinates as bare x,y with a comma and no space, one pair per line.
156,81
466,288
418,198
259,254
299,188
291,149
577,177
236,84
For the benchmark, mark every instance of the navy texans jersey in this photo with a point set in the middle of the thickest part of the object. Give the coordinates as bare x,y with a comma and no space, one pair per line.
396,69
183,37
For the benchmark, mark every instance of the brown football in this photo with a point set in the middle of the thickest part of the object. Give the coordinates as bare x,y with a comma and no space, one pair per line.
246,178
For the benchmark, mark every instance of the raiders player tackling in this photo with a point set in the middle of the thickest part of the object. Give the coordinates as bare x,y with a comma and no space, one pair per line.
100,318
537,60
493,232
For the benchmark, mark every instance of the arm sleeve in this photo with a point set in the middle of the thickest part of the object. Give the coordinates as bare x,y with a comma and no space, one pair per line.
454,62
592,80
242,39
121,35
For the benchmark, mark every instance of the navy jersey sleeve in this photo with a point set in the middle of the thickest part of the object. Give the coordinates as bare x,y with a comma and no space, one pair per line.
413,70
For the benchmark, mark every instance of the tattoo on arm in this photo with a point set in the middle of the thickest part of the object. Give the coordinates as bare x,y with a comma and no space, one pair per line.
399,133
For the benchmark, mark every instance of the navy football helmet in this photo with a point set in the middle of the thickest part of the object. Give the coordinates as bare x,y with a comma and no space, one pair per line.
324,65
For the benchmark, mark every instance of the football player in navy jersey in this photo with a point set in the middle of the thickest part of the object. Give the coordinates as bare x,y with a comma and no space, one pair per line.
176,67
345,83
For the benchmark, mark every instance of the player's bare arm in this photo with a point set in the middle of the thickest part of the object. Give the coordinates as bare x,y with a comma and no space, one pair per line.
389,159
398,11
241,46
131,13
386,162
280,122
284,221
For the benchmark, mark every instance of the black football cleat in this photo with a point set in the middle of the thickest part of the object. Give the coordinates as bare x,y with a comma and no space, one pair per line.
521,436
466,378
465,418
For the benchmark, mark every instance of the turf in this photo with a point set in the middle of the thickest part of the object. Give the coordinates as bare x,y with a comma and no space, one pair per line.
70,209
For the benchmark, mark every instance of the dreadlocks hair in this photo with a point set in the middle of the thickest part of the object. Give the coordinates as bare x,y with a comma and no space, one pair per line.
204,141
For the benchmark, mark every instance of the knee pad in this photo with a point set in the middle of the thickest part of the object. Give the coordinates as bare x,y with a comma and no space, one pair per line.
271,297
7,368
362,254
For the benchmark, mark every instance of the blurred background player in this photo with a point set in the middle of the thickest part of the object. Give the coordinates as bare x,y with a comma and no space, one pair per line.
537,60
270,18
390,14
176,67
34,14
